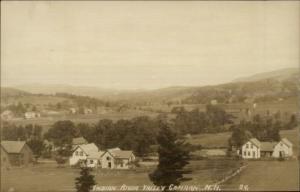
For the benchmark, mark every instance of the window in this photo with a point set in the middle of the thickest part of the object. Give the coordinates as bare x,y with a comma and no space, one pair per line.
251,146
107,158
249,153
91,161
253,153
76,153
81,153
245,153
247,146
121,164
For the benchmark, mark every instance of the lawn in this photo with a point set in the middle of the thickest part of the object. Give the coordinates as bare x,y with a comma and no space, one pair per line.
47,177
210,140
267,176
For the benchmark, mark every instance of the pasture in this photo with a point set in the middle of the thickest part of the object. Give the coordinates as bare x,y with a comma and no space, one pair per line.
48,178
267,176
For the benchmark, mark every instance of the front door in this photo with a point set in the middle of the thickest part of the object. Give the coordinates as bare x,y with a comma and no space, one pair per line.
109,164
281,153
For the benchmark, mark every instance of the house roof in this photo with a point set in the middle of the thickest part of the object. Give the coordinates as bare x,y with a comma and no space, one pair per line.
122,154
287,142
267,146
255,142
13,146
95,154
79,141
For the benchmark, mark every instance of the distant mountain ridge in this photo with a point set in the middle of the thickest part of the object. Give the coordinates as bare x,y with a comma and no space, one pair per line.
279,83
281,74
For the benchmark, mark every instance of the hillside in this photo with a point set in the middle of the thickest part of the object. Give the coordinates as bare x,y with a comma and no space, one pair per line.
261,87
280,75
12,92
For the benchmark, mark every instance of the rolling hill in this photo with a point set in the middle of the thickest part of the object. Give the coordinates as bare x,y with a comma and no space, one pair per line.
263,86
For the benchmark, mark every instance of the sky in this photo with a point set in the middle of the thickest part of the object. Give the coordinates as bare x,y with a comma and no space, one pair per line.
145,45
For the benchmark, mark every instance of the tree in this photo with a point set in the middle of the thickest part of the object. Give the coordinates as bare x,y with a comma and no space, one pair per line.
85,181
173,157
37,147
61,133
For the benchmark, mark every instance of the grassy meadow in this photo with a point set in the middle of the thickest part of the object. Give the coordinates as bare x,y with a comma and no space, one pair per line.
47,177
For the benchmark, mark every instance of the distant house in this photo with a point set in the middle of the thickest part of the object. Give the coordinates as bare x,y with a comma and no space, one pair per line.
254,149
16,153
214,102
72,110
31,115
87,111
251,149
7,115
283,149
5,163
117,159
87,155
78,141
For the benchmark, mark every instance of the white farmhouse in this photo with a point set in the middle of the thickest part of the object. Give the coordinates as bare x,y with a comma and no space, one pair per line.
283,149
7,115
251,149
254,149
87,154
117,159
31,115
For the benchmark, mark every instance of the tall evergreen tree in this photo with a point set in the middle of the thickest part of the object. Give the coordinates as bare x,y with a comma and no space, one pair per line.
85,182
173,157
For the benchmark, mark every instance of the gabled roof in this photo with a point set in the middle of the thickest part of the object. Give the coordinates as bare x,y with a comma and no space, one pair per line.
255,142
13,146
267,146
95,154
79,141
122,154
88,148
119,154
287,142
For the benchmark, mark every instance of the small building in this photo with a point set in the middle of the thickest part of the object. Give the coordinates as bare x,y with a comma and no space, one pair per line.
254,149
283,149
117,159
214,102
16,153
5,163
251,149
31,115
87,111
7,115
87,155
267,148
72,111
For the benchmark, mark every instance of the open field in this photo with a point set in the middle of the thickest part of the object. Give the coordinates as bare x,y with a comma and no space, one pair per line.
267,176
46,122
210,140
47,177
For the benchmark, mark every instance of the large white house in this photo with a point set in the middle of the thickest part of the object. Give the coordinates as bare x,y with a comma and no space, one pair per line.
87,154
254,149
251,149
117,159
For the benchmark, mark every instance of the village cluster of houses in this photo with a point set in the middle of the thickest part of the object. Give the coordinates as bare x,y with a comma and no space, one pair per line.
255,149
88,154
18,153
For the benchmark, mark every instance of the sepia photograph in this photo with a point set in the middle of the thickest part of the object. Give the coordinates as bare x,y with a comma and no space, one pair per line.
149,96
